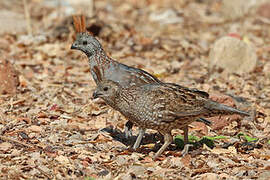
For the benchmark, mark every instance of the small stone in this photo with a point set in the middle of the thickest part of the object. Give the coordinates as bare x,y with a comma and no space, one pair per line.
124,176
5,146
166,17
233,55
27,40
15,152
137,170
12,22
44,168
34,172
62,159
264,175
209,176
176,162
232,9
266,69
74,139
35,128
35,156
121,160
264,10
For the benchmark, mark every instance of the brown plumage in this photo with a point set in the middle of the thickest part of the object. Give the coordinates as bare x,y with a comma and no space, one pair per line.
103,67
161,107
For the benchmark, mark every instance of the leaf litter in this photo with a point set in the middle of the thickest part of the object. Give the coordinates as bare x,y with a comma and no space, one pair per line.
50,128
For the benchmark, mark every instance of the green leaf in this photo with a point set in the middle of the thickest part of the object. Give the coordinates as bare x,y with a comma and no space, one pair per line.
179,137
247,138
208,142
193,138
196,141
179,141
240,134
269,141
215,137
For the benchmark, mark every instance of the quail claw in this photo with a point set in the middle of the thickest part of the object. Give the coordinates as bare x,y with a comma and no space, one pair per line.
139,138
186,149
128,132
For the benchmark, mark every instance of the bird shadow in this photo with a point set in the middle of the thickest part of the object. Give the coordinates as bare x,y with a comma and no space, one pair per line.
118,135
149,138
175,148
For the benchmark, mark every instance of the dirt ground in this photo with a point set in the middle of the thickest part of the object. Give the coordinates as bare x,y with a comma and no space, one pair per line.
51,128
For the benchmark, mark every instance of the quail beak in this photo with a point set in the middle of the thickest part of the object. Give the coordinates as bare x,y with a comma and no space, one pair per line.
96,95
73,47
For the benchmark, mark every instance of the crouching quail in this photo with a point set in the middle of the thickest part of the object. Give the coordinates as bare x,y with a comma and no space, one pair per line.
161,107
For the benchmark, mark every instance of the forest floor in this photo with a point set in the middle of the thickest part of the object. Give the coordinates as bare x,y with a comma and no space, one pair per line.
51,128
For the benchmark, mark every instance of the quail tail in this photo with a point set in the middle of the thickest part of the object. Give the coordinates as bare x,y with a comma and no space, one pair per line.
217,108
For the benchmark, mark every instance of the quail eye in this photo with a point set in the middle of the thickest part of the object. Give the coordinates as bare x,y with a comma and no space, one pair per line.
84,42
105,88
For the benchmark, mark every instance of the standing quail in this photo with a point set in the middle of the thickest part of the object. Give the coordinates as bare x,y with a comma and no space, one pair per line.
161,107
103,67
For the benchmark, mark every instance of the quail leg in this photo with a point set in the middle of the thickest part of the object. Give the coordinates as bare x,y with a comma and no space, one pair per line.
141,133
167,141
186,145
128,129
185,129
139,138
128,133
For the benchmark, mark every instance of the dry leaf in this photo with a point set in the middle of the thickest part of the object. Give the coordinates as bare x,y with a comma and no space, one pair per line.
8,78
230,150
5,146
62,159
186,160
54,125
35,128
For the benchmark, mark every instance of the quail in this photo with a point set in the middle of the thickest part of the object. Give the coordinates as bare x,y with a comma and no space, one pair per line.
162,107
103,67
